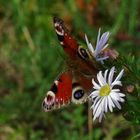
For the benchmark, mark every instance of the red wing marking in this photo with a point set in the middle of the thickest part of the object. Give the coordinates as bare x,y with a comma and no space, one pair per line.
60,93
68,43
64,88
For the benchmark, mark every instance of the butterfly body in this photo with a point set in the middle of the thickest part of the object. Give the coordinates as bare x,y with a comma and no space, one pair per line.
75,82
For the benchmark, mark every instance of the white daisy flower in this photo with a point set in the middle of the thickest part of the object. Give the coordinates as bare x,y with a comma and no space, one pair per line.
106,96
100,45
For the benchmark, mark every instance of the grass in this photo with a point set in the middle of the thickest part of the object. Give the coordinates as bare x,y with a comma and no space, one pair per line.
28,52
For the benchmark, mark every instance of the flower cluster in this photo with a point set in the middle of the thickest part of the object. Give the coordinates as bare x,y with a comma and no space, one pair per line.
105,95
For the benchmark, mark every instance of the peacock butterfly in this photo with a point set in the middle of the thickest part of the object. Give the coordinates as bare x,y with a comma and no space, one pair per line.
74,83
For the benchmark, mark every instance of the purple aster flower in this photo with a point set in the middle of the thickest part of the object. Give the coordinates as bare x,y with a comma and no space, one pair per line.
100,45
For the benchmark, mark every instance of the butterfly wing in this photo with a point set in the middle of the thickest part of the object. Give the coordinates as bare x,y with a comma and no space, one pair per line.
73,84
80,58
68,43
63,91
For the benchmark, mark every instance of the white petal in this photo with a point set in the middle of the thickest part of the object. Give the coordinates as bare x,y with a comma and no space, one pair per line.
98,104
94,94
106,104
122,100
116,83
96,100
117,104
119,76
121,94
101,116
99,79
98,111
111,74
89,44
110,104
86,39
115,90
115,96
103,104
96,86
91,49
102,78
105,75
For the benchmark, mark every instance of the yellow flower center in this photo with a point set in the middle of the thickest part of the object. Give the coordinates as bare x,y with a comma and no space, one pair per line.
105,90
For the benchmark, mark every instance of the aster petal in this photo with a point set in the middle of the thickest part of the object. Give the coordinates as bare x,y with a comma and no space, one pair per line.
119,83
104,38
117,104
96,100
89,44
101,42
98,37
102,58
102,78
96,86
119,75
101,116
97,105
103,104
106,104
105,47
111,74
121,94
105,75
115,90
94,94
110,104
99,79
122,100
98,111
115,96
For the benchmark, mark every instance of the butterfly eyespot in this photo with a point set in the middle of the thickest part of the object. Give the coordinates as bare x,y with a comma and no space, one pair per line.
83,53
78,95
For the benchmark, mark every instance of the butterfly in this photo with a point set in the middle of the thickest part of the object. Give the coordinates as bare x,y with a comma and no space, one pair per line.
74,83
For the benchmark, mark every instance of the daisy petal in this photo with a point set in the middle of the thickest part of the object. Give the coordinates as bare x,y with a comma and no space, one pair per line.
121,95
97,105
106,104
96,86
100,79
119,76
105,75
94,94
117,104
101,116
116,83
110,104
111,74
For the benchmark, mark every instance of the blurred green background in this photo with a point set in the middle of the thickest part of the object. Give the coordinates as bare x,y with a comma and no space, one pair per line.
28,52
